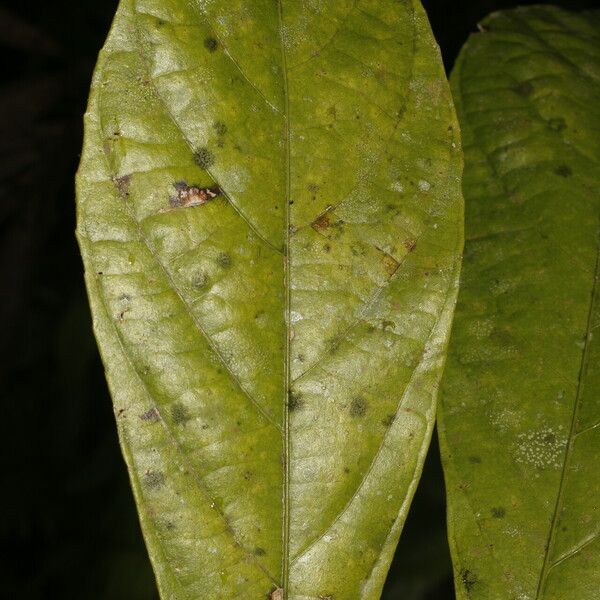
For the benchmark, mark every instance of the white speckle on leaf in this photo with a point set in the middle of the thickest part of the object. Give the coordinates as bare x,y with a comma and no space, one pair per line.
397,186
541,448
424,186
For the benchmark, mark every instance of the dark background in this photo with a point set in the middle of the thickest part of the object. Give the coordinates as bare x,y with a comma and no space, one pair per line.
68,527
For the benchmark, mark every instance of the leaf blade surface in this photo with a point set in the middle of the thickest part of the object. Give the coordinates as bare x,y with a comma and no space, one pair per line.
518,415
273,351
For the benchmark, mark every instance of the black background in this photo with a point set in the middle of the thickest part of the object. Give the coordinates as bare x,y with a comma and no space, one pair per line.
68,527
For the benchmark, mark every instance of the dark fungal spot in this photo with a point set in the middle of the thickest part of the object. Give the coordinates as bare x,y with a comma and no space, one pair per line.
358,407
563,171
346,470
258,551
498,512
468,578
220,128
150,415
294,401
475,460
388,420
211,44
154,479
385,324
524,88
224,260
180,414
557,124
327,247
204,158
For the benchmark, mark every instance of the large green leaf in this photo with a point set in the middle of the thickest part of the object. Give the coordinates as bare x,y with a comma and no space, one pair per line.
520,408
270,218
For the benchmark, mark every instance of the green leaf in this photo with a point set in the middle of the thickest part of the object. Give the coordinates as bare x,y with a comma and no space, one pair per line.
271,222
519,413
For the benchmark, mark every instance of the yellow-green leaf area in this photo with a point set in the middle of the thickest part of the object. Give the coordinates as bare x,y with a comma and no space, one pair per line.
520,411
270,215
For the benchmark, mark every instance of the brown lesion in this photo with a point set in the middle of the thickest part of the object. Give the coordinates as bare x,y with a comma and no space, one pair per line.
390,264
122,184
410,245
323,221
187,196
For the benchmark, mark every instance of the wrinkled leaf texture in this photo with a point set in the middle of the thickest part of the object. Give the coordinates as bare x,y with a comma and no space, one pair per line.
520,409
274,352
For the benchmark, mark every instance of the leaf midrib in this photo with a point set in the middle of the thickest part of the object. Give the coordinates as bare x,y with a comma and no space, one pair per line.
285,513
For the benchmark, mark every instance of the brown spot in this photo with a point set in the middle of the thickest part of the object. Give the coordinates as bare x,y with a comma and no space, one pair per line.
321,222
390,264
150,415
410,245
258,551
188,196
122,185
